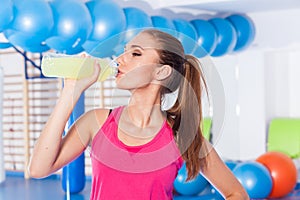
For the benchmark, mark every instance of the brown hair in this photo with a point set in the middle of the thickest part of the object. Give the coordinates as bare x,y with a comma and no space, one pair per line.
185,116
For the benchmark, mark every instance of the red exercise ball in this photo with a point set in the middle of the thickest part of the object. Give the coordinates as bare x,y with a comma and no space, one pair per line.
283,172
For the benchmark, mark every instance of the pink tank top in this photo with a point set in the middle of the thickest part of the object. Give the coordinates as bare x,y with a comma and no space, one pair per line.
133,172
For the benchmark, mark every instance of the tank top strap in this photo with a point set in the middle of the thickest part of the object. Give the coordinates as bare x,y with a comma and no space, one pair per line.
115,114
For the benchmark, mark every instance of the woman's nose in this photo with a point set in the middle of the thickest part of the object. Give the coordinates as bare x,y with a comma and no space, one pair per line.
120,59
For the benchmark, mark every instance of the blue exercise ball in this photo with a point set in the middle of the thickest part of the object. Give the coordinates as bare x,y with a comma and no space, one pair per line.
136,20
187,34
5,45
72,25
191,187
226,36
215,193
255,178
73,176
164,24
105,48
200,197
33,19
245,30
27,43
207,38
74,50
104,25
6,14
103,39
231,164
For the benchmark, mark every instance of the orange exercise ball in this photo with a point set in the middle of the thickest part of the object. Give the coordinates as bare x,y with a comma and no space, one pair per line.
283,172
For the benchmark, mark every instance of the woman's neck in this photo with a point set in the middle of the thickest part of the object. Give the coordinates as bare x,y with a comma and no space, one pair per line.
145,109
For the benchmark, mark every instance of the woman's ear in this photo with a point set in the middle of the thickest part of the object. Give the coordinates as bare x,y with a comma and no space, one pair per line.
163,72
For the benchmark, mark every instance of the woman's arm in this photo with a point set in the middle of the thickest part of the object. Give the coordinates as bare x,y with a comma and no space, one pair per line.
51,151
222,178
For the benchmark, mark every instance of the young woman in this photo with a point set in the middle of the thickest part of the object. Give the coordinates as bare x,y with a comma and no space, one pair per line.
136,150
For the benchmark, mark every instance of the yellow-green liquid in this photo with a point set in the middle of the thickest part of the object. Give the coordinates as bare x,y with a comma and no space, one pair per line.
75,67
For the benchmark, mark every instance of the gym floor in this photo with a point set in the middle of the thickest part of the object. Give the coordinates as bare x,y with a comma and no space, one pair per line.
16,187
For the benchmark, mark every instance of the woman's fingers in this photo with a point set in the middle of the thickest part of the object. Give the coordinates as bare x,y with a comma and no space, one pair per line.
97,70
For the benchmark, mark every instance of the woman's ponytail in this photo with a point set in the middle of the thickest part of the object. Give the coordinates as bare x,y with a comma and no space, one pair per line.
186,117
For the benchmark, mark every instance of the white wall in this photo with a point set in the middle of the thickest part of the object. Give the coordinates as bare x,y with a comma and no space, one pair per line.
294,80
2,171
277,29
229,134
278,35
260,84
243,134
283,84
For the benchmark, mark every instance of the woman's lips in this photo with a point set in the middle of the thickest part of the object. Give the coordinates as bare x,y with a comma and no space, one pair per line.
119,73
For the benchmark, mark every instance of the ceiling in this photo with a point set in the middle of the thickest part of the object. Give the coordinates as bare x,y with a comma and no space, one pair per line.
242,6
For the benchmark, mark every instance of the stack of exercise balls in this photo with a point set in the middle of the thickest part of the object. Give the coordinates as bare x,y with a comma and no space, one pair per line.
255,178
271,175
190,187
283,172
198,187
101,28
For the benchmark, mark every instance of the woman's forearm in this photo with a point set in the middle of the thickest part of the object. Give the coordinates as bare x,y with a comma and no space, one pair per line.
238,196
48,145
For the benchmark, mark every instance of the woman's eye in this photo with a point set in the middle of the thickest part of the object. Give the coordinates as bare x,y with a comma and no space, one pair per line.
136,54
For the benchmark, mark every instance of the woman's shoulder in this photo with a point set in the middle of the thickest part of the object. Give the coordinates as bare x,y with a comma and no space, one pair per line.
97,113
95,118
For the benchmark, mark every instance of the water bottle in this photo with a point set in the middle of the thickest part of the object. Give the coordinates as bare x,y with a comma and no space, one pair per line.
76,67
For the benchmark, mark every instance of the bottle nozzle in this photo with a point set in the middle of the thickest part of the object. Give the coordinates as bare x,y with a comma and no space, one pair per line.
114,66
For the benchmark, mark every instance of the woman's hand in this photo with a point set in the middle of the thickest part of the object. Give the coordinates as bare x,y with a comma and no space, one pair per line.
77,86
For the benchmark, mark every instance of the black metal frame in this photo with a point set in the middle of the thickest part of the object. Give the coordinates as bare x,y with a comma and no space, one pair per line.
28,61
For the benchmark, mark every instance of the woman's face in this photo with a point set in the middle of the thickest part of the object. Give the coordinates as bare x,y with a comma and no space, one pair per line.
138,63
